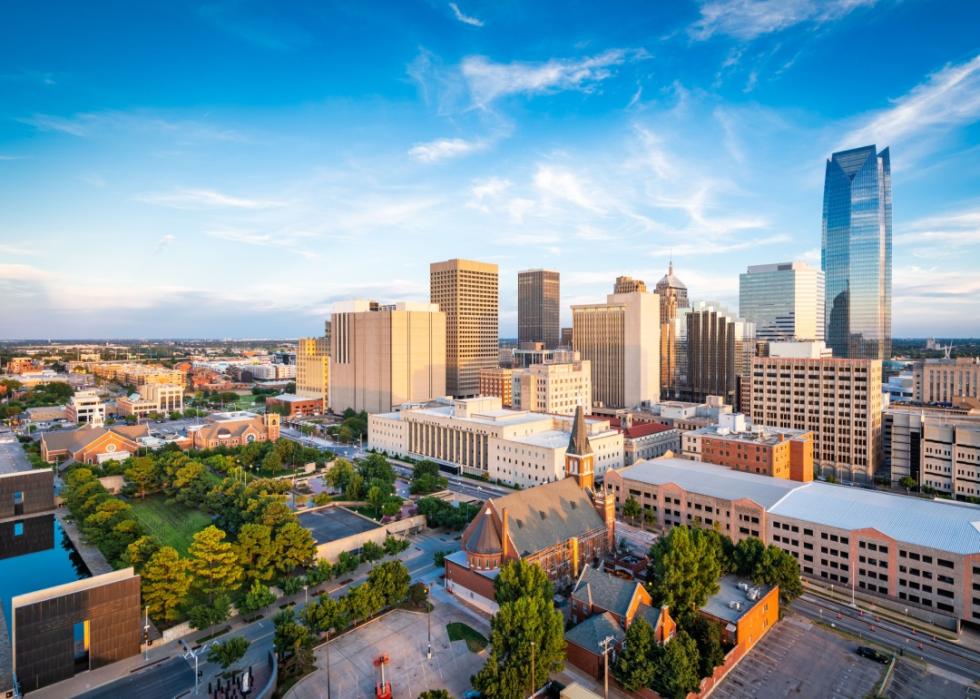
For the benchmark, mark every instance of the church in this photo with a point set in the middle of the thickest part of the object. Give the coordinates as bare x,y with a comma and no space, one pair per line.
562,526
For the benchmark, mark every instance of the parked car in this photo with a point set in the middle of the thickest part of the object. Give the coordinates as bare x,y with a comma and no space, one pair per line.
873,654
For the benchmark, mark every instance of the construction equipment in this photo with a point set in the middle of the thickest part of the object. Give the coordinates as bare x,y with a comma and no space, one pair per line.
382,688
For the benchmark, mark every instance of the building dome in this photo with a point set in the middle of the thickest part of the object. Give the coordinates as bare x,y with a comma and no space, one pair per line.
484,539
670,280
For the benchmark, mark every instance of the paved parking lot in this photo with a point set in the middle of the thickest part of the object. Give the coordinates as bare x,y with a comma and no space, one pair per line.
402,636
913,681
12,456
334,523
801,659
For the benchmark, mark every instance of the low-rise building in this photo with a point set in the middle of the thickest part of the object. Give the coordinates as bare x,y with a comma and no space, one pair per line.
744,611
498,382
557,388
91,444
947,380
152,398
646,440
291,405
86,407
233,429
951,463
272,372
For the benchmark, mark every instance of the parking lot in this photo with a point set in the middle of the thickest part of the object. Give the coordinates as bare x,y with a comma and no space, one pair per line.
912,681
334,523
402,636
801,659
12,456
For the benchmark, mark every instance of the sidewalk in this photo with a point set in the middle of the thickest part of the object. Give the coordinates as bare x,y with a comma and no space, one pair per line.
94,560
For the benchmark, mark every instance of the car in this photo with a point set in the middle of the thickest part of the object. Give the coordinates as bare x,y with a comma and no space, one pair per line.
873,654
472,694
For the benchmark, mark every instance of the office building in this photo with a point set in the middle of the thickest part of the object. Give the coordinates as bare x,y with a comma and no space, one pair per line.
498,382
856,253
628,285
566,338
536,353
86,408
673,296
383,356
480,437
948,462
291,405
313,369
947,380
269,372
785,301
538,301
467,293
621,338
838,400
905,553
646,440
553,388
777,452
152,398
719,349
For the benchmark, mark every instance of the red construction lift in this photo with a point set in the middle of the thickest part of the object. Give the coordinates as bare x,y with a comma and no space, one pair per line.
382,688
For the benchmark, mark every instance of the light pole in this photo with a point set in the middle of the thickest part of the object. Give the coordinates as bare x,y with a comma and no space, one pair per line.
428,622
146,635
533,673
196,657
605,644
306,594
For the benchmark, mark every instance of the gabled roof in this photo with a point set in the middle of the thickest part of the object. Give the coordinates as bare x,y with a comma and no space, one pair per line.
590,632
74,440
650,615
547,514
604,591
230,428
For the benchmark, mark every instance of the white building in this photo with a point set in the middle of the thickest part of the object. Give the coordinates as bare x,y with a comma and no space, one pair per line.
553,388
482,438
86,407
152,398
784,300
800,349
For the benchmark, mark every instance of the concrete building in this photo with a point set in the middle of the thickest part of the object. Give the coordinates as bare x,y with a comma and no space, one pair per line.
908,553
482,438
538,303
271,372
647,440
498,382
903,432
536,353
621,338
152,398
673,296
383,356
86,408
628,285
291,405
899,388
553,388
234,429
785,301
947,380
719,348
796,349
682,415
467,292
566,338
313,369
776,452
130,373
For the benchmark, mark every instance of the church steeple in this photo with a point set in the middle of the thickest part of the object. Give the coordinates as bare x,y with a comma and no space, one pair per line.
579,458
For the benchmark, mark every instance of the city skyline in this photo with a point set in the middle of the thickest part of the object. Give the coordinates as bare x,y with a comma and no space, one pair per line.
259,165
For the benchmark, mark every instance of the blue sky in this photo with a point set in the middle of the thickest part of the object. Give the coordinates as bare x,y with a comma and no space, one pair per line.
229,169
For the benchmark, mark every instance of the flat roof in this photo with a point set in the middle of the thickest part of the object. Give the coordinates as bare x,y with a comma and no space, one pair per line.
292,398
484,417
71,587
764,435
734,598
333,523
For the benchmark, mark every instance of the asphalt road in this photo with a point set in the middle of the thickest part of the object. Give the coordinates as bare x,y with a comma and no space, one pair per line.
892,635
163,681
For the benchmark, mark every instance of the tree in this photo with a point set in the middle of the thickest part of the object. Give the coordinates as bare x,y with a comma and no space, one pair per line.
227,653
376,498
293,643
339,474
632,509
319,572
677,668
294,547
325,614
518,578
257,598
192,482
707,638
166,582
207,613
140,551
272,463
635,666
748,555
391,579
778,567
143,474
364,601
256,552
435,694
426,478
213,563
908,483
685,571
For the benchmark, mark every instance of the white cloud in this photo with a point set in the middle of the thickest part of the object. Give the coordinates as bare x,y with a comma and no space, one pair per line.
18,249
944,232
293,244
748,19
465,19
163,243
716,247
12,157
445,148
558,183
204,199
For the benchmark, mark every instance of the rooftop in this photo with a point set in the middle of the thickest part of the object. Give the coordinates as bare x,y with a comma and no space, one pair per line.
755,435
590,632
292,398
605,591
734,599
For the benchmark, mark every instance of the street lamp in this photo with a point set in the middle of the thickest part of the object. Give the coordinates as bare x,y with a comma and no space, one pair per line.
195,655
306,594
428,622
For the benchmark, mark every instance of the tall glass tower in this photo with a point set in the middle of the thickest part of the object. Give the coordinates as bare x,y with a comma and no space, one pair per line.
856,253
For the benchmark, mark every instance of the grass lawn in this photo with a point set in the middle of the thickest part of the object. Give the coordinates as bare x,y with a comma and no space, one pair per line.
174,524
461,632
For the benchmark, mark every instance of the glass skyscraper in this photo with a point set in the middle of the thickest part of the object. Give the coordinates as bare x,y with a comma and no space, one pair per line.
784,300
856,253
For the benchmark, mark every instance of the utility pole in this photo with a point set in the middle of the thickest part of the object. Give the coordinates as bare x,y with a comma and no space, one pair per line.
328,665
428,621
146,635
605,644
533,673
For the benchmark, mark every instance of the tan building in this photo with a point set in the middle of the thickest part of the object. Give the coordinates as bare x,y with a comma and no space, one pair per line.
553,388
628,285
498,382
838,400
86,407
951,458
673,295
467,292
234,429
947,380
621,339
313,369
903,429
152,398
130,373
383,356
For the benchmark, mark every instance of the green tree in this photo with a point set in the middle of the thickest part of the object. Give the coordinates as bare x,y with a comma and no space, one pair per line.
166,583
293,643
364,601
677,668
779,567
319,572
140,551
326,614
207,613
272,463
256,551
257,598
435,694
294,547
518,578
214,564
685,571
707,638
632,509
143,474
227,653
635,666
748,555
426,478
908,483
391,579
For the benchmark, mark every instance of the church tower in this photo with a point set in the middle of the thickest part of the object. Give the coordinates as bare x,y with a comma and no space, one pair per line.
579,458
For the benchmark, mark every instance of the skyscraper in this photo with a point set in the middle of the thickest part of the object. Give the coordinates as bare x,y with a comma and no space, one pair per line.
673,295
538,294
856,253
719,350
784,300
466,292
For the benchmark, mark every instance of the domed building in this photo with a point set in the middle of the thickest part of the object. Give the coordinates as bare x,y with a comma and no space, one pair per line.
673,295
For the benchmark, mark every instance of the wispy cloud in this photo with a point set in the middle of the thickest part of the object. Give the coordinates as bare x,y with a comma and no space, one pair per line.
445,148
944,233
465,19
268,31
91,124
192,199
719,247
564,185
164,242
749,19
296,245
11,157
18,249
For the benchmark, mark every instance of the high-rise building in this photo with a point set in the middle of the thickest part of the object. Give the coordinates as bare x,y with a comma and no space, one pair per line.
856,253
784,300
384,356
466,292
673,295
538,294
313,369
947,380
628,285
566,338
621,338
839,400
719,348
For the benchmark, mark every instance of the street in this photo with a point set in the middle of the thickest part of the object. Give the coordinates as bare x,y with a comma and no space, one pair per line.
166,680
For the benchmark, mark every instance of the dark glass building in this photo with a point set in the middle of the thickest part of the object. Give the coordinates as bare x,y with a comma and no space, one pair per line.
538,295
856,253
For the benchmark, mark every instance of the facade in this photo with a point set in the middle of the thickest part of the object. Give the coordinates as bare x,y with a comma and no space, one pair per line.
856,253
785,301
383,356
130,373
951,433
628,285
313,369
26,492
744,611
673,296
838,400
467,292
86,408
911,553
291,405
566,338
480,437
234,429
621,339
91,444
538,303
271,372
647,439
719,349
531,353
498,382
152,398
553,388
770,451
947,380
